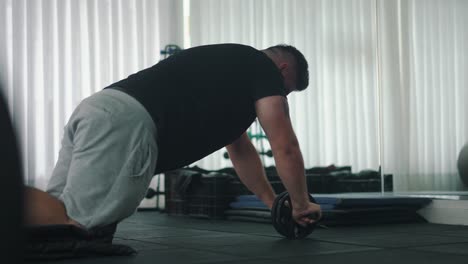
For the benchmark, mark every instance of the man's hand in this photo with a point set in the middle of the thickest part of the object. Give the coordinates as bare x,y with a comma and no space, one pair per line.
273,114
307,215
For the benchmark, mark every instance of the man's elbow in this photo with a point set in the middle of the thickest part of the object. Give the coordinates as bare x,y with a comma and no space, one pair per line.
287,150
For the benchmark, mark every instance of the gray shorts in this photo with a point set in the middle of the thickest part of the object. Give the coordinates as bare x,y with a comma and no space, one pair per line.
107,159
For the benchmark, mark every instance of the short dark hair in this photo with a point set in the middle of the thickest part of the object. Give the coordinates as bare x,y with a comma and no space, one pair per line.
302,67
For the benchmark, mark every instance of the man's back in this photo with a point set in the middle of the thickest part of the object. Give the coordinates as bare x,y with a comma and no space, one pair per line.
202,99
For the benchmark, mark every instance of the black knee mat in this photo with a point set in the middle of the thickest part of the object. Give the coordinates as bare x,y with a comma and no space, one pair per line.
68,241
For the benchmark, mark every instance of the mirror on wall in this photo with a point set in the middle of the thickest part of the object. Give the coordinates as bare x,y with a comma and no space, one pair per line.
423,88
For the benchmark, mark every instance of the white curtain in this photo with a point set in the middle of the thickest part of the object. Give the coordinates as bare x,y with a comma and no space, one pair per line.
425,87
336,118
388,79
53,53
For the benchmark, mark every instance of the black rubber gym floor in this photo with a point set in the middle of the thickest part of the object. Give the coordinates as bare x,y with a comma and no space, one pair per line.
160,238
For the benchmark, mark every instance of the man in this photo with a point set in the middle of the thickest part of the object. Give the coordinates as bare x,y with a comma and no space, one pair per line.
168,116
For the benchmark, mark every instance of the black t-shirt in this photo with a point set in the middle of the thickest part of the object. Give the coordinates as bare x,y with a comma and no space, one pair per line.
202,99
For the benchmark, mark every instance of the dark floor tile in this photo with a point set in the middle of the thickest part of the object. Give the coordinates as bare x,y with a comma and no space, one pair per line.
124,230
386,256
284,248
355,231
132,226
182,256
426,228
160,238
253,261
394,240
158,219
162,219
140,245
212,241
90,260
173,256
158,231
151,218
459,231
458,249
416,228
242,227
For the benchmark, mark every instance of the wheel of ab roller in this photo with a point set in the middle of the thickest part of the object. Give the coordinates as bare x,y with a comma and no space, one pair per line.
283,222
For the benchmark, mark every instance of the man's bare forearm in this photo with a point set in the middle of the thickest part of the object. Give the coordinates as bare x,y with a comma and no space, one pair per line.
290,167
251,172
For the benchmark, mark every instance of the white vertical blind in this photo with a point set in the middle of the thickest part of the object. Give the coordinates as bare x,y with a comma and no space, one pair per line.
412,53
336,117
53,53
425,89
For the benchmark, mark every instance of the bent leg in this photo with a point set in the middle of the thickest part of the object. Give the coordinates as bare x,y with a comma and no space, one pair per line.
42,208
111,162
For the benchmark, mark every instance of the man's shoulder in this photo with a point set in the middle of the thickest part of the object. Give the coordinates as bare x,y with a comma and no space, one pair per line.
226,48
226,45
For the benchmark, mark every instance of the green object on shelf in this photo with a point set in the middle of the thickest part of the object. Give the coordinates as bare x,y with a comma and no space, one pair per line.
256,136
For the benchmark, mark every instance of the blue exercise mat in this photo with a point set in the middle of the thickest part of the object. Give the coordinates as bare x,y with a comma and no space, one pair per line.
252,198
340,209
261,206
342,201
